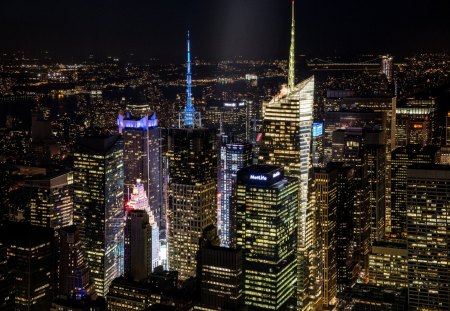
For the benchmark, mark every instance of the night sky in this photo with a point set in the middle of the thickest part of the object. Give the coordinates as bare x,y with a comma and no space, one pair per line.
223,28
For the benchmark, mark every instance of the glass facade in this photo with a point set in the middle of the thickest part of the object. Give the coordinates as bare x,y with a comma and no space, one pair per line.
98,206
286,142
266,205
233,157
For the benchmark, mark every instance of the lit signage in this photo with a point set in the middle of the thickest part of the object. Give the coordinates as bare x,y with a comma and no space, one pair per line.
258,177
276,174
417,126
230,104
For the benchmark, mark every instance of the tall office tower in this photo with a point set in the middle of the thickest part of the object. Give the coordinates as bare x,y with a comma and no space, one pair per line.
51,200
233,157
6,281
388,264
402,158
192,197
347,268
326,182
192,185
138,245
98,206
286,142
348,146
31,262
428,197
220,275
139,201
266,205
387,67
73,272
447,129
142,157
317,145
414,125
386,106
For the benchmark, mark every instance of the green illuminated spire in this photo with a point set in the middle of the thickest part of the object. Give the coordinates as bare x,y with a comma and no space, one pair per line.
291,76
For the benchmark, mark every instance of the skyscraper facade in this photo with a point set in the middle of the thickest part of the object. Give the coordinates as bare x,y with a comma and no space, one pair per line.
233,157
286,142
428,231
138,245
326,183
192,194
98,206
402,158
266,204
51,200
73,272
142,158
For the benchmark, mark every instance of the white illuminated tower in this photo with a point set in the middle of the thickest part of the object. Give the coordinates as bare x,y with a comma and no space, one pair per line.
286,142
139,201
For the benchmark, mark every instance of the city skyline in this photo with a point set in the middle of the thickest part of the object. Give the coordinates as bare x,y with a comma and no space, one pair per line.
302,183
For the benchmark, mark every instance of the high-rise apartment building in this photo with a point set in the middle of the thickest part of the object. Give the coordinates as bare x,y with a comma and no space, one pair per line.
233,157
98,206
266,204
428,231
402,158
51,200
447,129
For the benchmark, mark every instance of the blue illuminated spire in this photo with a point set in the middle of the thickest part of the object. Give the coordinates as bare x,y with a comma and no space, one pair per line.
189,110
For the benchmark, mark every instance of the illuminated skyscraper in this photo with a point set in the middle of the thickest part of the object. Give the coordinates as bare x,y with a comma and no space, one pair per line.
98,206
428,231
267,208
142,158
189,117
138,245
402,158
51,201
192,185
286,142
233,157
141,235
192,194
326,182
